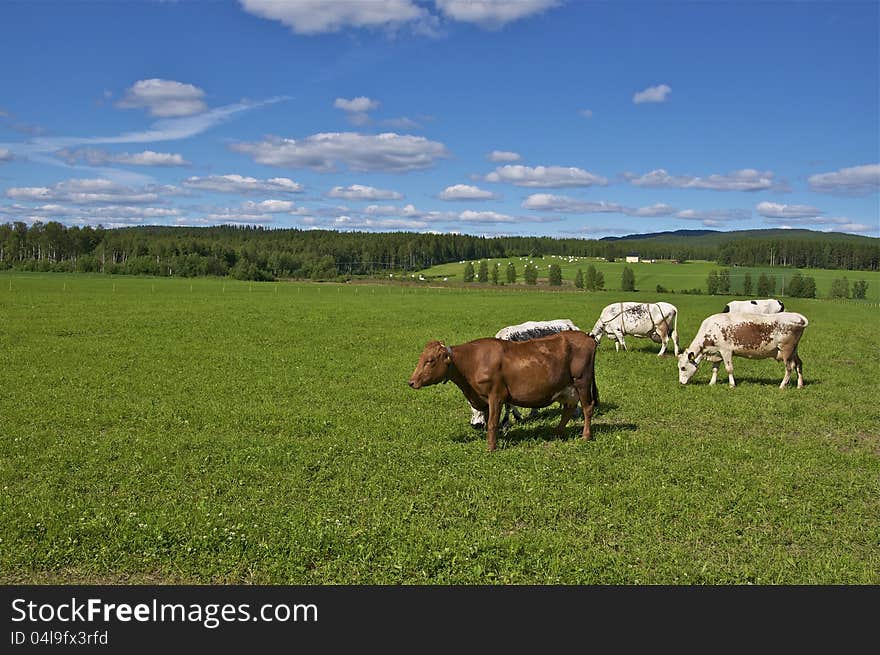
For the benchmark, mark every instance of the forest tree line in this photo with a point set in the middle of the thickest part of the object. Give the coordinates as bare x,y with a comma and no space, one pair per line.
255,253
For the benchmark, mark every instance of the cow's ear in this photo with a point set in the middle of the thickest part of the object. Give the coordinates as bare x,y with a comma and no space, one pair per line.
690,357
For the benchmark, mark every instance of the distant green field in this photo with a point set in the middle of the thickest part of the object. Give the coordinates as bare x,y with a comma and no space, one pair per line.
209,431
677,277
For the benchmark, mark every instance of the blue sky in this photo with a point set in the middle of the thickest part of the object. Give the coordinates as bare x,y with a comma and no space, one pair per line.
522,117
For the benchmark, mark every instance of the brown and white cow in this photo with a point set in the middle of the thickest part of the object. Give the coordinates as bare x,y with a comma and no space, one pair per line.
765,306
536,373
745,334
656,320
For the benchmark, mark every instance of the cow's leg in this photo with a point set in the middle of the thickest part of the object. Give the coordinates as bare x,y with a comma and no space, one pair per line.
799,366
567,413
728,364
789,364
619,343
495,404
588,403
665,340
715,366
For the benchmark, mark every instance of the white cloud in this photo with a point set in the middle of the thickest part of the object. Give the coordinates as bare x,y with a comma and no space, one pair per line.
320,16
776,210
470,216
361,192
389,152
108,215
586,113
359,104
503,156
267,206
402,123
545,176
835,223
89,191
164,98
567,205
242,184
657,93
97,157
714,216
5,155
492,14
465,192
856,180
744,180
356,109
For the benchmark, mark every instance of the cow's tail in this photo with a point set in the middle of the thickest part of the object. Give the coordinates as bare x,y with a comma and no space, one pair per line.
675,332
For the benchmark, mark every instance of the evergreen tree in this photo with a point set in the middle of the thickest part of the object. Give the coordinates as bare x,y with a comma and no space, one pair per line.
511,273
860,289
590,278
579,279
747,284
628,280
554,275
712,282
795,286
483,273
808,290
496,273
530,273
766,285
469,272
840,288
724,281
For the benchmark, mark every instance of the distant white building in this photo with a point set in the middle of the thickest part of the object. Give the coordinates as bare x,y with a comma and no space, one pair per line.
632,258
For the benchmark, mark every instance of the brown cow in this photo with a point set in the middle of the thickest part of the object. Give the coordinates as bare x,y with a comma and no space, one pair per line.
534,373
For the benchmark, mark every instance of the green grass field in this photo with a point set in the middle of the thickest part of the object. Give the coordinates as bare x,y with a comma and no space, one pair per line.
210,431
676,277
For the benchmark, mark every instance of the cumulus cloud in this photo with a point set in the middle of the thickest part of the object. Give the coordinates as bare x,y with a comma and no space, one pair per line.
465,192
657,93
500,156
776,210
492,14
164,98
89,191
267,206
545,176
5,155
98,157
828,224
747,179
856,180
402,123
242,184
567,205
471,216
320,16
324,152
714,216
356,109
362,192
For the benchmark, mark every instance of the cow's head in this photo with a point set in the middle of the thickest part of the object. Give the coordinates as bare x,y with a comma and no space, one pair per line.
433,366
687,366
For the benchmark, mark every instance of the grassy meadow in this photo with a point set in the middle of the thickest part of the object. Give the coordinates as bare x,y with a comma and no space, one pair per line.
674,277
211,431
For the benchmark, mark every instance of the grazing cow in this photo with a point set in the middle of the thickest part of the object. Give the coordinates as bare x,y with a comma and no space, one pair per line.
767,306
536,373
521,332
745,334
656,320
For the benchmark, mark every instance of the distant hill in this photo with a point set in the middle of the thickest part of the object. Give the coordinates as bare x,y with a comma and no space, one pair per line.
717,237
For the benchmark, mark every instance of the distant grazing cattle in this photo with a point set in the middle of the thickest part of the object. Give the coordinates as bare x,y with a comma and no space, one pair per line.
767,306
745,334
521,332
656,320
536,373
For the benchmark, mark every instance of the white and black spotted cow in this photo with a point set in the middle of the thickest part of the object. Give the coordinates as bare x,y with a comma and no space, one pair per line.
766,306
522,332
657,321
